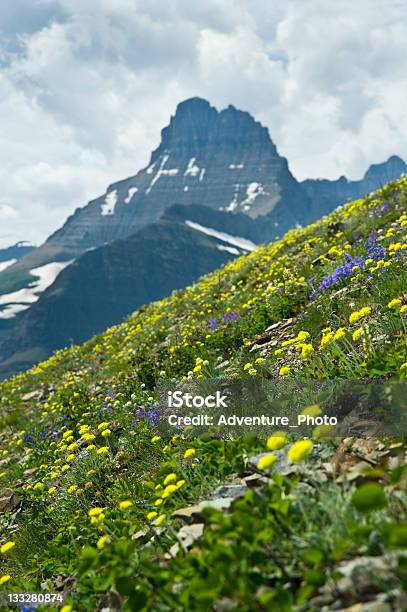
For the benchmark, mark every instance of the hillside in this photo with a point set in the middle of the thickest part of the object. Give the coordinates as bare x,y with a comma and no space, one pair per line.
96,505
106,284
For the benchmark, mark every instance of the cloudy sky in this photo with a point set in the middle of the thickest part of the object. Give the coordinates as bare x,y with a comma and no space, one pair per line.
87,85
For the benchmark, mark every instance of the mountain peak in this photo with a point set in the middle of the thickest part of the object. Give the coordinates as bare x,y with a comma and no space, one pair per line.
197,124
194,104
387,170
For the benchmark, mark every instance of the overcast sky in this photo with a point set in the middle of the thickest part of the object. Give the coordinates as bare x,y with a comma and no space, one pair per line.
87,85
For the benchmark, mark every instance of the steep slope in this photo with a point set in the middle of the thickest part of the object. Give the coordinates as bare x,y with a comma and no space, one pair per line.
326,195
106,284
130,519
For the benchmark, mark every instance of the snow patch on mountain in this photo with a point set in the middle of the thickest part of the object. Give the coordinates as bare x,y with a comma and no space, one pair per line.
192,168
234,203
150,169
108,206
162,171
242,243
130,194
22,299
232,250
6,264
252,192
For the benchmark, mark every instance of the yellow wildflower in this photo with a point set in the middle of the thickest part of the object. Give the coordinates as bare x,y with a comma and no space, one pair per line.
169,489
300,450
88,437
340,333
160,519
170,478
6,547
276,441
125,504
359,314
306,350
95,511
284,371
312,411
396,303
103,450
266,461
357,334
189,453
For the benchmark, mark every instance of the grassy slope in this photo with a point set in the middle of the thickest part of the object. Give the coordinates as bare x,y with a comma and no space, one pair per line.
43,453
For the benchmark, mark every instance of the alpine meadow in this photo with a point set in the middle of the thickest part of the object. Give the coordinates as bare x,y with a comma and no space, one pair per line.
98,506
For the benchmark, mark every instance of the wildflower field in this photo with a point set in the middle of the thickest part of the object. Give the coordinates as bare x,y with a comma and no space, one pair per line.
93,499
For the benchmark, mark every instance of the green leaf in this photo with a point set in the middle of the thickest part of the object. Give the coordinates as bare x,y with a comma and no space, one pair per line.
369,496
89,558
315,577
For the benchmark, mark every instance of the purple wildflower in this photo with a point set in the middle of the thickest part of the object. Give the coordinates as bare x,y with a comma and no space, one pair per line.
343,271
374,250
230,317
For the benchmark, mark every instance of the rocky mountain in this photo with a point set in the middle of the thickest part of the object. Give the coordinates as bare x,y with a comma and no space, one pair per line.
326,195
106,284
224,160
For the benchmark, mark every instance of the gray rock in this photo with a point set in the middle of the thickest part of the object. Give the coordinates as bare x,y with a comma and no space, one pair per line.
365,579
230,490
189,533
188,514
222,503
33,394
9,500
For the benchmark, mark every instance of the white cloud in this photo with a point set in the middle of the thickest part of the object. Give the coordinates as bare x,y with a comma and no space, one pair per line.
87,87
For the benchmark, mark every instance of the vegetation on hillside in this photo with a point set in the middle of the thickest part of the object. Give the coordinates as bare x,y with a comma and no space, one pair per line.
89,489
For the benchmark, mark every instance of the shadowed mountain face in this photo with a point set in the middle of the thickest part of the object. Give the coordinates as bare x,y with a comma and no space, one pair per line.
327,195
105,284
